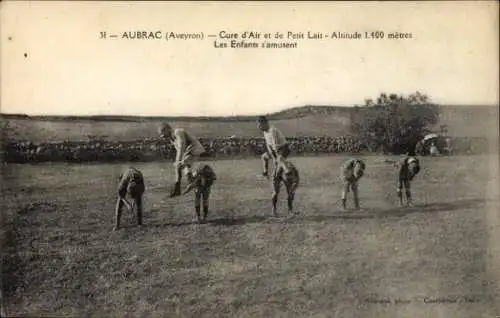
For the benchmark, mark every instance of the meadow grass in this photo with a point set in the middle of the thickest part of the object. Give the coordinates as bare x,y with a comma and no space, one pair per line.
60,256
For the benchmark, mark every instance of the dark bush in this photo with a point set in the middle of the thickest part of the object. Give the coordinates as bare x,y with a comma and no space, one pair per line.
394,124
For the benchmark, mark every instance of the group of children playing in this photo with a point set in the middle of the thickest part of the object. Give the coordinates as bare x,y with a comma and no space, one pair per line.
202,177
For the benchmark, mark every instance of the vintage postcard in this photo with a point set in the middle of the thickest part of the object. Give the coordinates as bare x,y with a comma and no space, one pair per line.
249,159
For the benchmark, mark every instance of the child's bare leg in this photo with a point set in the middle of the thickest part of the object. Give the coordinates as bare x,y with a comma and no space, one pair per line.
354,187
265,164
275,170
400,192
118,213
345,191
276,191
197,204
138,203
409,201
206,196
178,177
291,188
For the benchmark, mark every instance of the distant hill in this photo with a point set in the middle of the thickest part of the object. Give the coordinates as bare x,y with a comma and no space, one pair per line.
472,121
290,113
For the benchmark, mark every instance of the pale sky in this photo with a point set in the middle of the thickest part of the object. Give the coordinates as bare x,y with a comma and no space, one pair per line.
452,56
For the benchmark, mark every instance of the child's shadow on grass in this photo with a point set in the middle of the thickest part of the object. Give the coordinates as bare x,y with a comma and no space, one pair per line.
398,211
231,220
355,215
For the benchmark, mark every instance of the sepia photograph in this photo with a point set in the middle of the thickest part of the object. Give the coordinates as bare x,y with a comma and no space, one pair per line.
249,159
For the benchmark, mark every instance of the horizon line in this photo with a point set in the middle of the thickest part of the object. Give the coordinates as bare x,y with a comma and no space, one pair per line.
217,116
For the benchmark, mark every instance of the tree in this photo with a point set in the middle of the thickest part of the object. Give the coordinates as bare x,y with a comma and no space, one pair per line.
369,102
395,123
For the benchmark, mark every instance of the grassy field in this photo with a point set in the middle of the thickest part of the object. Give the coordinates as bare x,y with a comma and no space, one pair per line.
468,121
64,259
